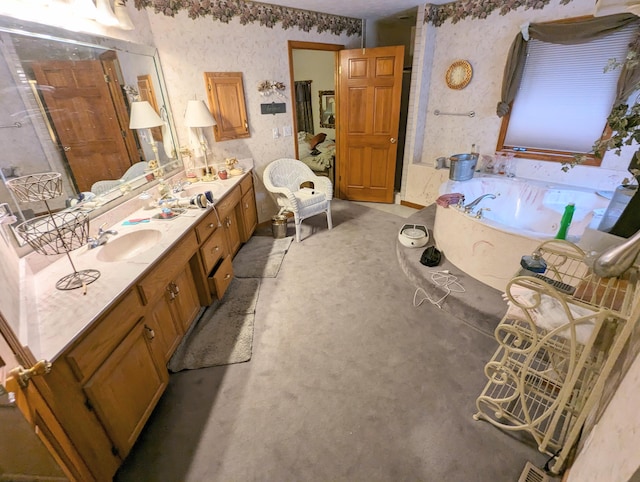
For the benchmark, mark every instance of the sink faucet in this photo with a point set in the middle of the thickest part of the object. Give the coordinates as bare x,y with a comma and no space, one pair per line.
179,186
469,207
101,238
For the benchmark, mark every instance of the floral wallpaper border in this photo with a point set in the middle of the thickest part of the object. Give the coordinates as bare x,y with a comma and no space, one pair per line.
456,11
253,12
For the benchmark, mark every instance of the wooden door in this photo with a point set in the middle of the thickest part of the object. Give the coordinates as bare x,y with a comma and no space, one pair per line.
35,410
146,91
78,100
114,79
369,89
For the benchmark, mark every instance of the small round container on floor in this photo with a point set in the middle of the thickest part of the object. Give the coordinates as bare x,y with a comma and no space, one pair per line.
279,226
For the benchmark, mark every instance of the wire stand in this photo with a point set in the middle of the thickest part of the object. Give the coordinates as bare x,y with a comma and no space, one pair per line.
53,233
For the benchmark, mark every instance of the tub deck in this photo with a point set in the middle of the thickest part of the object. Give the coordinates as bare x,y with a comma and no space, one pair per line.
480,306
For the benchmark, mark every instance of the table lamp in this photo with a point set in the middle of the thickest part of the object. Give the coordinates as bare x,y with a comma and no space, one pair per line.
143,117
199,116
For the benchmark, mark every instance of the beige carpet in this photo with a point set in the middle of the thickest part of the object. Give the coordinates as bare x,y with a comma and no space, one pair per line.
224,333
261,257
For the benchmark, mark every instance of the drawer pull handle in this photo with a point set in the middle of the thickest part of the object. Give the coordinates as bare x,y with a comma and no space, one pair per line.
176,289
150,333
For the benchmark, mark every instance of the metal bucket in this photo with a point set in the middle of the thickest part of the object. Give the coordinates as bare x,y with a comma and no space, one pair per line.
279,226
462,166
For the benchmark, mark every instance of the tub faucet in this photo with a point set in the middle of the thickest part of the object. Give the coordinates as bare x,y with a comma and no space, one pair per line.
469,207
101,238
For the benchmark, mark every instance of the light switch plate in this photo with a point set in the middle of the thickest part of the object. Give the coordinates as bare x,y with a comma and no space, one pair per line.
286,131
276,134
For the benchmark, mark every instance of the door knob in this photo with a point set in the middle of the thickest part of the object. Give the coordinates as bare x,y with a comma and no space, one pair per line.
393,140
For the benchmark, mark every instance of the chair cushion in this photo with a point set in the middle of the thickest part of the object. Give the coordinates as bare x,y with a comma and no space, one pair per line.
308,197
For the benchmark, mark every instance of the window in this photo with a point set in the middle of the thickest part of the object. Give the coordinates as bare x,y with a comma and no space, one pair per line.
564,98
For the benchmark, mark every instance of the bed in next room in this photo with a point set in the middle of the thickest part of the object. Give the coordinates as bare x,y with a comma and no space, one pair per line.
317,152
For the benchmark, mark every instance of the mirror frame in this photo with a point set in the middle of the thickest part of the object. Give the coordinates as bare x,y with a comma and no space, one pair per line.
326,118
50,33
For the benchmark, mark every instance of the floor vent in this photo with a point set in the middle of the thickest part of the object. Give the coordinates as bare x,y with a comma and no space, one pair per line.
531,473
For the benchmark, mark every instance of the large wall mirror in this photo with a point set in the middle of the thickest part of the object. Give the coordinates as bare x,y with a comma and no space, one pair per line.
65,106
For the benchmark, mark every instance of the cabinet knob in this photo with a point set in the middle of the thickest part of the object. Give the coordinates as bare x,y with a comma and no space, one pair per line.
211,225
227,276
215,249
149,332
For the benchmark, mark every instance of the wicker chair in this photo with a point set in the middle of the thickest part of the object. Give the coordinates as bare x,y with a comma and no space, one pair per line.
284,178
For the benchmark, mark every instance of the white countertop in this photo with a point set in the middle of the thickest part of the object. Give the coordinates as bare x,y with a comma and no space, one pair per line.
55,317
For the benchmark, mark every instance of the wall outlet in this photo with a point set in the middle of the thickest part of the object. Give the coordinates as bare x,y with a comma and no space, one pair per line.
276,134
286,131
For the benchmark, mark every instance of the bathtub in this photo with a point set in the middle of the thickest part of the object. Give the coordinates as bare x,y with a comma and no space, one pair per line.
524,213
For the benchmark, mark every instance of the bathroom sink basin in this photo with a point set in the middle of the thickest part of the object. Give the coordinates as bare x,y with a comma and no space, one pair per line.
200,188
130,245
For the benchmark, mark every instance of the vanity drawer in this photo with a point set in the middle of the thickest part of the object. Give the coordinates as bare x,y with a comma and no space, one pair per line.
246,184
219,281
213,249
230,201
109,331
155,282
207,226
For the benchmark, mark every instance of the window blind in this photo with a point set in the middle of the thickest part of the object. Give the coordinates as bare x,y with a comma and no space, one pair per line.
565,96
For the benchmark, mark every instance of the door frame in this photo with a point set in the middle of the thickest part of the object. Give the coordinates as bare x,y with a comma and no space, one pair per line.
299,45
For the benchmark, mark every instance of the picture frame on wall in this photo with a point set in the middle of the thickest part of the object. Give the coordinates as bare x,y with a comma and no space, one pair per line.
327,108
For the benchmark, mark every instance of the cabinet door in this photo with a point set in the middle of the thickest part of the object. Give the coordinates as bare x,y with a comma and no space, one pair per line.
167,332
186,304
232,228
225,94
249,215
126,388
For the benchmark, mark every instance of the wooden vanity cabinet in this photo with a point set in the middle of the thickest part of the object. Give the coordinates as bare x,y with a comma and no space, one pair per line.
102,389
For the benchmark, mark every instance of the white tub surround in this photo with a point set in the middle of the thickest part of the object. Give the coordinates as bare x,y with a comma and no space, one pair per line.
56,318
523,214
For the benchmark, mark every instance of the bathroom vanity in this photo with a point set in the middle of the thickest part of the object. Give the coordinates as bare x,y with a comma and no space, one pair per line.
108,349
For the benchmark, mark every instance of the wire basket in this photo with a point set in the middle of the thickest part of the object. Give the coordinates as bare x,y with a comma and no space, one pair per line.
37,187
56,233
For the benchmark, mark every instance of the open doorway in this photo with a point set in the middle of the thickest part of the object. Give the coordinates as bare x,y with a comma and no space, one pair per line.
313,84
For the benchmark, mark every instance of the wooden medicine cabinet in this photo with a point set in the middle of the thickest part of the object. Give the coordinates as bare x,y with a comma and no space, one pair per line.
225,94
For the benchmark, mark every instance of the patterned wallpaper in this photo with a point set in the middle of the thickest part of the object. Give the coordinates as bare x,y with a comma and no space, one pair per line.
481,9
261,13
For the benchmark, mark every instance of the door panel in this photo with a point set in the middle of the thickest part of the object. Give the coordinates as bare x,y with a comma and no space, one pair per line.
91,136
39,419
369,89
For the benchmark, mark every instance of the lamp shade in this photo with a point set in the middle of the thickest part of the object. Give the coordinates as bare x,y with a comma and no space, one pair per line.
143,116
198,115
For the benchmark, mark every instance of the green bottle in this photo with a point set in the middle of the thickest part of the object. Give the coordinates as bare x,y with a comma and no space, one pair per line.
566,221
